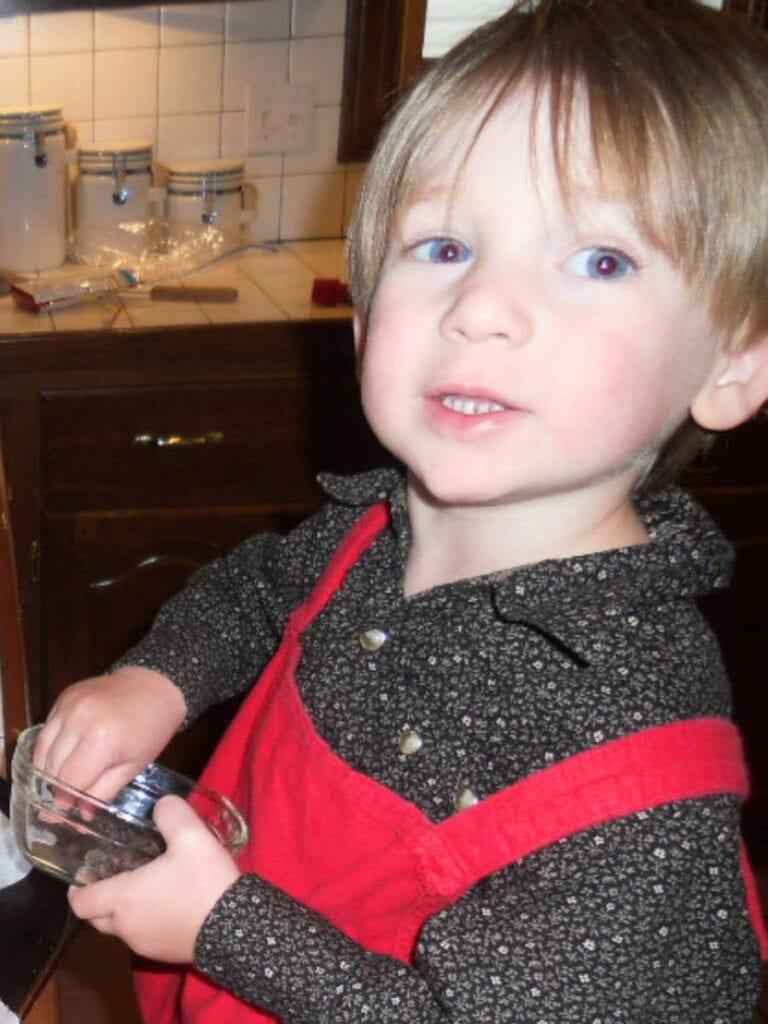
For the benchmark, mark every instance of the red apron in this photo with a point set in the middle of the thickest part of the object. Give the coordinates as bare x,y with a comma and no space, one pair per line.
372,862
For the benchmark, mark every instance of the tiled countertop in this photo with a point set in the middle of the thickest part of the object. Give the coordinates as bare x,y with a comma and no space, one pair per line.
273,284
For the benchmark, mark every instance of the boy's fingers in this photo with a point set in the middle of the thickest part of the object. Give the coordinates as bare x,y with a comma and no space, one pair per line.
72,761
175,819
43,744
109,783
92,902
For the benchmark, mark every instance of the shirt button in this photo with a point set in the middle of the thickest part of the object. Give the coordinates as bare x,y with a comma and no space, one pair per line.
464,798
373,639
409,742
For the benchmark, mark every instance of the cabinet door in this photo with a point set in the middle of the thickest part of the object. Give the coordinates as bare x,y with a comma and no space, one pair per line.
738,617
106,573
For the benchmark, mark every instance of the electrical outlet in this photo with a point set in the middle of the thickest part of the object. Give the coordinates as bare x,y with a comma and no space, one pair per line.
279,118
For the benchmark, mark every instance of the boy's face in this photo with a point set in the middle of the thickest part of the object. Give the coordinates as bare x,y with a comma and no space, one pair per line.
520,349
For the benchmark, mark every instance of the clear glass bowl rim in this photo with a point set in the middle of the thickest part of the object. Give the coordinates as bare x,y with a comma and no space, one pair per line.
22,761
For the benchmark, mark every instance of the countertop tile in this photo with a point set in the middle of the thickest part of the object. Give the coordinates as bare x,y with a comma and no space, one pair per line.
274,283
16,321
99,315
145,312
325,258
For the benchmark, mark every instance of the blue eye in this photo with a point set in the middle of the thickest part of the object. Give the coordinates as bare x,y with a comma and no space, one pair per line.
441,250
602,264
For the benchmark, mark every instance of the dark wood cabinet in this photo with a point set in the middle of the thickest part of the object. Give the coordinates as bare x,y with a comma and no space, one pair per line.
732,483
134,457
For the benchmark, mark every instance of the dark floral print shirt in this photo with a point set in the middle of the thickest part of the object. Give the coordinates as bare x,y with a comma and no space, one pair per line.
489,679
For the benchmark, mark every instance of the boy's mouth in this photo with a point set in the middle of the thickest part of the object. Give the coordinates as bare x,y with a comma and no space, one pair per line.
471,406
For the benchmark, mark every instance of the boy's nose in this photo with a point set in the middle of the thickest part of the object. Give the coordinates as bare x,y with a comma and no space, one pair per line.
483,308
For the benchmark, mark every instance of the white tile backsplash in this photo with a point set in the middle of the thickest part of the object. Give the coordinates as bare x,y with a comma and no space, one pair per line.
265,223
176,74
325,141
259,19
120,129
189,137
249,64
127,28
188,24
125,84
319,17
182,92
312,205
65,80
14,80
61,32
264,165
319,60
14,35
85,133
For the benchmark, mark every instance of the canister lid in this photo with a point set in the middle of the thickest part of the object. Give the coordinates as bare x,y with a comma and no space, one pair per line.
205,176
21,122
106,157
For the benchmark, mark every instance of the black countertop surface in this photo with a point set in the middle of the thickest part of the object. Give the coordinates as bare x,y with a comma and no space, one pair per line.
34,922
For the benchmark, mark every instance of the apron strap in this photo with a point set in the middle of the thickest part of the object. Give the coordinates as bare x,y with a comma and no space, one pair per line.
656,766
229,756
359,538
659,765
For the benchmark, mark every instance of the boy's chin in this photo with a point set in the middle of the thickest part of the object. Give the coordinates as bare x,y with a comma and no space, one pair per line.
457,490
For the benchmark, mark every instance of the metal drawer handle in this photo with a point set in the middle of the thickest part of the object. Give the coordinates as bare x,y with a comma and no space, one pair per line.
179,440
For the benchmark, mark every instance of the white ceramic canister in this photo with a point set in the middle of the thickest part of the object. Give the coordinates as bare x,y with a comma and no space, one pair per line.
207,193
114,182
33,184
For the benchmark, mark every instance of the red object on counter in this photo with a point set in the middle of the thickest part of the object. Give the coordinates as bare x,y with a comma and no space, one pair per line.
330,291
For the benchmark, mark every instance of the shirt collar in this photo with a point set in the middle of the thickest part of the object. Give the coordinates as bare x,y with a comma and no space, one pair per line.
369,488
574,601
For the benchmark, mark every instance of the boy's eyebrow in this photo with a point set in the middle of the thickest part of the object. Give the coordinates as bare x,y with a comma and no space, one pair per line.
610,212
427,194
600,208
421,202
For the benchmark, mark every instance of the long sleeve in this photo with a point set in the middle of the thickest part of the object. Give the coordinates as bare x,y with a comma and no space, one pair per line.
216,635
629,922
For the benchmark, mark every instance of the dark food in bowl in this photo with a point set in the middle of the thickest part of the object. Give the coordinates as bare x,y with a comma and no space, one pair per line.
80,839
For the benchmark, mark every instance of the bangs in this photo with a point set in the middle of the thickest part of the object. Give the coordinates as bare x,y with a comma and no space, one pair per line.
672,103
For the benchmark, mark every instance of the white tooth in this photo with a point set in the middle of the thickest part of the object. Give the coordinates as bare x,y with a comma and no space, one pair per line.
471,406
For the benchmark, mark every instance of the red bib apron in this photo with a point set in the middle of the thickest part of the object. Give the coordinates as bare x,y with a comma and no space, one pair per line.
372,862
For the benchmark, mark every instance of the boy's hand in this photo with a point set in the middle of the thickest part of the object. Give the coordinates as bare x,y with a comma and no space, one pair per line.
102,731
159,908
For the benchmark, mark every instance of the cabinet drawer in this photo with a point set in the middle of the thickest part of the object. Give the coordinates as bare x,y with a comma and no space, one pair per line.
260,440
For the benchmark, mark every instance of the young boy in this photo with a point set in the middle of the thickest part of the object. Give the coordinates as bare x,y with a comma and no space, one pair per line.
489,772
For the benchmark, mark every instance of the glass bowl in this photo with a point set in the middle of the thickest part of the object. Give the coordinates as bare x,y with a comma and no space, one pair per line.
77,838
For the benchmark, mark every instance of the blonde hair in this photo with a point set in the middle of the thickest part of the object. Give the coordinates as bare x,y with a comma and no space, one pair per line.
675,95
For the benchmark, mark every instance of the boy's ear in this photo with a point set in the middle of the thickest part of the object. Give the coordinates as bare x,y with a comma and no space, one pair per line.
736,388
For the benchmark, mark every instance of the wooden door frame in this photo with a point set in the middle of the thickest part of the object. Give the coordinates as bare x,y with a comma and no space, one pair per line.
383,55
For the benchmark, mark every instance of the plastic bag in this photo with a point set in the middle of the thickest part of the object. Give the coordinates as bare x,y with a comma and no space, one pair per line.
125,257
157,250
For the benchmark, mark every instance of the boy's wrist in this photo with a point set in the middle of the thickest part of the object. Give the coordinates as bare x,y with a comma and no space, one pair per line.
155,685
